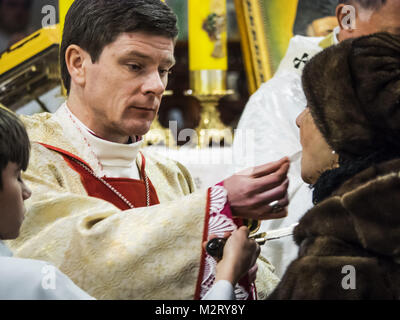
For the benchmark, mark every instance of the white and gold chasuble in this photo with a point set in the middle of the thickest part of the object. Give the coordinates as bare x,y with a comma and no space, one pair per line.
143,253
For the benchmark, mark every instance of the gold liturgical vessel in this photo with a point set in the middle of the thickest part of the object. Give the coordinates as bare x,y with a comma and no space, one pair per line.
208,63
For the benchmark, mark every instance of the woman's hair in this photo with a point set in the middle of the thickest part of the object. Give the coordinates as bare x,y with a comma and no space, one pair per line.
14,141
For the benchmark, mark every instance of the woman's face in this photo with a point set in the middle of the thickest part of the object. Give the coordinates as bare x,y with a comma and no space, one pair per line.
317,155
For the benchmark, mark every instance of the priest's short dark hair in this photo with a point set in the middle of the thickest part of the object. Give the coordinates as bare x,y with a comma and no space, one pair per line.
94,24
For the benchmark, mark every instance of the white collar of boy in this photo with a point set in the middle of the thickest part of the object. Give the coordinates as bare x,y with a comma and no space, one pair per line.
118,160
4,251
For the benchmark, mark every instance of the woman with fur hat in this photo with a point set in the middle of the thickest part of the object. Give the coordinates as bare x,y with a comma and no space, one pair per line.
349,243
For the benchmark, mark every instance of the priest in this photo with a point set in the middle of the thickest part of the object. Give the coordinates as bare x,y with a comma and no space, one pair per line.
121,222
272,110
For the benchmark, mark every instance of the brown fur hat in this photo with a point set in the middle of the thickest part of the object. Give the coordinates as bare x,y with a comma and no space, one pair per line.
353,92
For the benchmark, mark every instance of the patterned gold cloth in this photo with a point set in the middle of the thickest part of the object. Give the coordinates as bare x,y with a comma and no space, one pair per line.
142,253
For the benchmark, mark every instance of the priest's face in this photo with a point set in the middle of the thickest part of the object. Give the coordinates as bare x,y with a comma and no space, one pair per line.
12,196
317,156
122,91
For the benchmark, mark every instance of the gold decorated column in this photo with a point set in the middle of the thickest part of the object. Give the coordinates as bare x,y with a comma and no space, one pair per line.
208,64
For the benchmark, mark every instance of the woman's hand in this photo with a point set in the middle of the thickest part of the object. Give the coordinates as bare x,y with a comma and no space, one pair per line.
239,258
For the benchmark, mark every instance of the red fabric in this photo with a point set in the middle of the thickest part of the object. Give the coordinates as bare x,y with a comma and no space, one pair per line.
244,282
227,211
133,190
203,252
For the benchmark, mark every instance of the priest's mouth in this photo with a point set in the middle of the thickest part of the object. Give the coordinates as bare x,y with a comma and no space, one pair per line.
143,109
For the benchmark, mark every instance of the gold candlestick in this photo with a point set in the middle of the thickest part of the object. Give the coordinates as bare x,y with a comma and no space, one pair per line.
208,62
211,130
209,88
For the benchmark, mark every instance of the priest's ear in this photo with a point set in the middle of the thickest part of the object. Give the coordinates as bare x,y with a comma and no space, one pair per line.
76,60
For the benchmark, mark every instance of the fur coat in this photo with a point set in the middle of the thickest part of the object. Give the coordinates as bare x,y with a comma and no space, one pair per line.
349,244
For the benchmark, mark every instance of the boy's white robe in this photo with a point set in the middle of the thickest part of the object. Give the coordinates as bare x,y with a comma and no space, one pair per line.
25,279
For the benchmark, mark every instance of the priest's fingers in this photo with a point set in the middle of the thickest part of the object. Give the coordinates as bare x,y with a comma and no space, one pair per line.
263,214
270,181
268,196
274,210
266,213
268,168
245,191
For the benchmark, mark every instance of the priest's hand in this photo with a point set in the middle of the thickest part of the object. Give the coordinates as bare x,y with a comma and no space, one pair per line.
260,193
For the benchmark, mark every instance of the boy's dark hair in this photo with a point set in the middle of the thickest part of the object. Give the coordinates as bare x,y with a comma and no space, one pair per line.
14,141
93,24
366,4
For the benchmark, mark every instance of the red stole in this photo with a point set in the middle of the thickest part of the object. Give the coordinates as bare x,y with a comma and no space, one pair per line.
133,190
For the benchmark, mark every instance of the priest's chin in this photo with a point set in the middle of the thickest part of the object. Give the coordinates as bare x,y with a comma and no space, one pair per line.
138,127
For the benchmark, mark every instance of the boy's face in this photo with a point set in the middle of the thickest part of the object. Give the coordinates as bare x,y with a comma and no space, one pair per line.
12,197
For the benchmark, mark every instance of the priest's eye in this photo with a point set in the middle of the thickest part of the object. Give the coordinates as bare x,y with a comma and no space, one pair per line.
164,72
134,67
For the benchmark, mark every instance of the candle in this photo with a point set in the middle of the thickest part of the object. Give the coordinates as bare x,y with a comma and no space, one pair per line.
207,35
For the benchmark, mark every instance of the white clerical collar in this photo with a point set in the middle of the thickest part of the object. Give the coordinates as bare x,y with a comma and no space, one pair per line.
4,251
110,154
336,35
